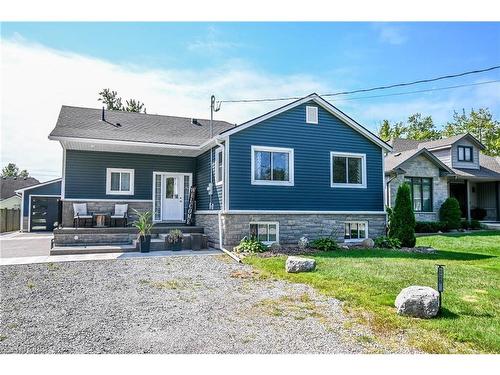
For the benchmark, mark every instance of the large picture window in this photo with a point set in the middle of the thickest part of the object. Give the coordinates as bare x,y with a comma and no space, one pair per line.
348,170
266,232
465,153
421,193
119,181
272,166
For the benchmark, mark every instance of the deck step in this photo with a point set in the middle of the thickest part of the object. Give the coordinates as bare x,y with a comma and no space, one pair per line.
98,249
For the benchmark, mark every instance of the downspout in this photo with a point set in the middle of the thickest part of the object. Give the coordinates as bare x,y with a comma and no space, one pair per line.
222,207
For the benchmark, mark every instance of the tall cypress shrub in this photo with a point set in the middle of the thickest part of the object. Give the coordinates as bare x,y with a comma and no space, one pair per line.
402,224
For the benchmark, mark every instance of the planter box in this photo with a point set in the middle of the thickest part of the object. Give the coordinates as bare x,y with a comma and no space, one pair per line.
176,246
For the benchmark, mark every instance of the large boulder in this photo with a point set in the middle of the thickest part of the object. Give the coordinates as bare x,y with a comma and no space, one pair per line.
299,264
418,301
368,243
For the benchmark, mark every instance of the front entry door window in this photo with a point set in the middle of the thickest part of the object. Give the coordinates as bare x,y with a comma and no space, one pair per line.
173,197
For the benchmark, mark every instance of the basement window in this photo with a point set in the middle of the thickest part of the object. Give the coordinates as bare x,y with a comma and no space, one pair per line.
265,232
355,230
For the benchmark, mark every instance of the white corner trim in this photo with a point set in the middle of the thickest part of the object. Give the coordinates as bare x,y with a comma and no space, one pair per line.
291,163
119,170
363,170
63,179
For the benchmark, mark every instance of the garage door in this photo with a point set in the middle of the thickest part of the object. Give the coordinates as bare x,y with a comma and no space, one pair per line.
44,213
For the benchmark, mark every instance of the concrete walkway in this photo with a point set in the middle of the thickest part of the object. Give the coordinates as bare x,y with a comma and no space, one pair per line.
107,256
17,244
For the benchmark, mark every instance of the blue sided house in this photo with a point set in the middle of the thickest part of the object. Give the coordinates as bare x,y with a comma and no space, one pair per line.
305,169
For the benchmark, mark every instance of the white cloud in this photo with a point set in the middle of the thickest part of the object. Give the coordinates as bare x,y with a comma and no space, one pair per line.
212,43
38,80
390,34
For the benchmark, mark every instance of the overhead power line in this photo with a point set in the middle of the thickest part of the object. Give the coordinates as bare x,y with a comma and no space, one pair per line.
385,87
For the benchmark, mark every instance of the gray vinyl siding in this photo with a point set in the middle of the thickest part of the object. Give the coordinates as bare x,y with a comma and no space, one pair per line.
202,180
53,188
312,145
86,172
465,164
444,156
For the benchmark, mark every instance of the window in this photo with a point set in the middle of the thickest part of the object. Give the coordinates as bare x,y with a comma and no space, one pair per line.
465,153
272,166
266,232
219,166
355,230
119,181
421,193
311,115
348,170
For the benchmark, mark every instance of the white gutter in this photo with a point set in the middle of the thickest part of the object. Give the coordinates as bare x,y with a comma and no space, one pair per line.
223,208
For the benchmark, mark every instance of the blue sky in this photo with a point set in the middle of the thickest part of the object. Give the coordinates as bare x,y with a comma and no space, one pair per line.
174,67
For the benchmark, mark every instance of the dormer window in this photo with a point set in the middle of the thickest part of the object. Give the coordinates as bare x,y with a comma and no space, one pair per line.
465,153
311,114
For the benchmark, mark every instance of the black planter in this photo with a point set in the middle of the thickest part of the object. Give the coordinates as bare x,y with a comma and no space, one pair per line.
176,246
144,243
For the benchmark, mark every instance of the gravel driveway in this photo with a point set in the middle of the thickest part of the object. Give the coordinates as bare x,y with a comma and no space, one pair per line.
197,304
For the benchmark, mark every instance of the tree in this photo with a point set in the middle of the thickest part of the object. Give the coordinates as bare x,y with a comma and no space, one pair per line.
114,102
450,213
480,124
12,170
421,128
402,225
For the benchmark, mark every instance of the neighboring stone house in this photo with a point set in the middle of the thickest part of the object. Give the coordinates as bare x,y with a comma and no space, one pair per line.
439,169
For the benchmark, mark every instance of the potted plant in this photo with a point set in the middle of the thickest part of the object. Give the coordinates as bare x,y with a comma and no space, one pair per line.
174,240
144,225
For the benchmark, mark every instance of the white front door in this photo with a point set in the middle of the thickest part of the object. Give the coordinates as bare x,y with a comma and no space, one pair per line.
173,197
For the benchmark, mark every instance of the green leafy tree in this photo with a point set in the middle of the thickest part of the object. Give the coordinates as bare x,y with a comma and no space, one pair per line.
402,225
450,213
480,124
421,128
385,130
12,170
114,102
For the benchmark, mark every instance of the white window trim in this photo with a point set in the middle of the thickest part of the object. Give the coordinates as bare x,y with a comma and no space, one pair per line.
119,170
356,222
363,170
290,182
310,108
268,223
216,167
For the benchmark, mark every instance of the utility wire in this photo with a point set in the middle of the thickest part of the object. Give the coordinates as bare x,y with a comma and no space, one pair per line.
369,89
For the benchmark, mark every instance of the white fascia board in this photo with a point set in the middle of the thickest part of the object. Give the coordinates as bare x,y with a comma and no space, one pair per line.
271,212
123,143
38,185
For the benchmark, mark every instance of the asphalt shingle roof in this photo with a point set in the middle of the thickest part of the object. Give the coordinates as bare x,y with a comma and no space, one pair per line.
78,122
9,185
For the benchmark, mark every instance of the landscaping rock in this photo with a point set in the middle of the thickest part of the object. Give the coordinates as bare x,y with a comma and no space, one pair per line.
298,264
368,243
418,301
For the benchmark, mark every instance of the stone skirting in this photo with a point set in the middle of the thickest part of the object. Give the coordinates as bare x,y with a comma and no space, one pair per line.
102,206
291,226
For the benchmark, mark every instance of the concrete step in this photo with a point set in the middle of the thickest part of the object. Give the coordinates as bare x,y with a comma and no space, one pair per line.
98,249
164,228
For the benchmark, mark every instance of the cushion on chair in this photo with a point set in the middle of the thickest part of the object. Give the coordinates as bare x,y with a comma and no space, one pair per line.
120,210
82,216
80,209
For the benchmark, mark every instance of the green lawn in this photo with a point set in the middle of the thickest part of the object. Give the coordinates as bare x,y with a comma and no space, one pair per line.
369,281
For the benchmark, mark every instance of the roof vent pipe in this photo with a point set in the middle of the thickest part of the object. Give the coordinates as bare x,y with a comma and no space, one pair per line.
102,115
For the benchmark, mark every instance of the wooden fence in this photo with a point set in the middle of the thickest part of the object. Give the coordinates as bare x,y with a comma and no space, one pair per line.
9,219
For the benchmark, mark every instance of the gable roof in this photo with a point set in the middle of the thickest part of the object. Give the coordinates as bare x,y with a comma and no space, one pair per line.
395,159
489,167
56,180
9,185
325,105
86,123
402,144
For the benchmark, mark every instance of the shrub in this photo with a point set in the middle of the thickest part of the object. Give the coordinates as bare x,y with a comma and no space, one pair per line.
478,213
174,236
450,213
472,224
325,244
303,242
385,242
250,245
402,224
430,226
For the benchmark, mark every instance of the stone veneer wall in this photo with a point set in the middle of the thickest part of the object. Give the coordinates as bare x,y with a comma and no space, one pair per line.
291,226
100,206
422,167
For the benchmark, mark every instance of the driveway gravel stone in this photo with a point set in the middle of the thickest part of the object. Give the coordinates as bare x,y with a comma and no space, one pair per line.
197,304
